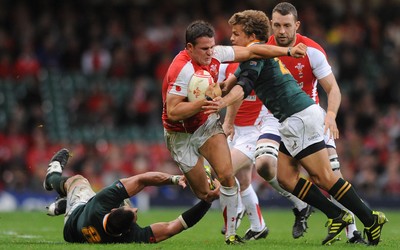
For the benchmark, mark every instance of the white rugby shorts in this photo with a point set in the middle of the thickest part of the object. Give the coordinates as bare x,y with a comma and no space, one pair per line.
302,129
184,147
80,194
246,137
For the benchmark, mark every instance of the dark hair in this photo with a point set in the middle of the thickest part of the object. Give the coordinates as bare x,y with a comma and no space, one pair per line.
253,22
119,221
198,29
286,8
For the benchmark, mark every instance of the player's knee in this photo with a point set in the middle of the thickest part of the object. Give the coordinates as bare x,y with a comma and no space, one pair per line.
79,178
266,166
74,180
325,179
226,179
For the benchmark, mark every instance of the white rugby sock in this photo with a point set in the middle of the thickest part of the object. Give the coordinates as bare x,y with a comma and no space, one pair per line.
229,204
251,204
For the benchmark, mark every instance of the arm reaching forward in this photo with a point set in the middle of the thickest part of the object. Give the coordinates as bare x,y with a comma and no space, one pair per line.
136,183
268,51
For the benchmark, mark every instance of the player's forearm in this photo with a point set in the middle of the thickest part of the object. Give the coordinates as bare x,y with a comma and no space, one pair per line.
334,99
332,90
236,94
267,51
185,110
258,51
231,111
136,183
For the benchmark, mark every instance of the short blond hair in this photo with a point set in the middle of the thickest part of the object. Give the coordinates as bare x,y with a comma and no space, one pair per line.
253,22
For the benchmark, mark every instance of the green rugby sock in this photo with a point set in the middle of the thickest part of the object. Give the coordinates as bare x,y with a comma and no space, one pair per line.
345,194
310,193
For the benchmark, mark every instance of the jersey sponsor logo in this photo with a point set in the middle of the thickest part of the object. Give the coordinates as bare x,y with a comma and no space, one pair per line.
313,137
299,68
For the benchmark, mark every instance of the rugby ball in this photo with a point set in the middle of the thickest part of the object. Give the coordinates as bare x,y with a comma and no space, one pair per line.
198,85
210,178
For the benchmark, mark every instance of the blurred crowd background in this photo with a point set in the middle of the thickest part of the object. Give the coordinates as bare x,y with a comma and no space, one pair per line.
87,75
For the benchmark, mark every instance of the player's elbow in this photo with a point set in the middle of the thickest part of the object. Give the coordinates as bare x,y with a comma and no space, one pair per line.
173,118
174,115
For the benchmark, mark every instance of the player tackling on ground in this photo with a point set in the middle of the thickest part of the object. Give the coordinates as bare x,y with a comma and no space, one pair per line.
100,218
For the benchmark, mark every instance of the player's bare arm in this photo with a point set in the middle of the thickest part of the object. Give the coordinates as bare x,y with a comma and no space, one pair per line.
178,108
136,183
228,84
217,104
230,116
268,51
164,230
332,90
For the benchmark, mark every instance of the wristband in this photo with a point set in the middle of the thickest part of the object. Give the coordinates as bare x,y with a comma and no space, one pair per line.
175,179
288,51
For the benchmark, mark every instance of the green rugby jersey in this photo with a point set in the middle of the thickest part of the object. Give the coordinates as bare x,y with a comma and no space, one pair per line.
85,224
274,85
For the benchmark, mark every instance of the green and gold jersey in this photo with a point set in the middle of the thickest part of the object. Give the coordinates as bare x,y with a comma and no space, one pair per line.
85,224
274,85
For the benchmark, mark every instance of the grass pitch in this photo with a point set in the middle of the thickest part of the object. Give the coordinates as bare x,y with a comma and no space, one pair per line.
35,230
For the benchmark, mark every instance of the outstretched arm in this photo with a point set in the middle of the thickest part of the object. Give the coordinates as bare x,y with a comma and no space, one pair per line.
136,183
165,230
268,51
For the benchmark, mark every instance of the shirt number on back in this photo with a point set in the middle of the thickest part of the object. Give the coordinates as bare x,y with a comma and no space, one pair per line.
91,234
282,67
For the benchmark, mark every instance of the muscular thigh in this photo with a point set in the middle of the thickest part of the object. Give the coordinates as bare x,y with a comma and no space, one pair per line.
185,148
318,167
217,153
287,171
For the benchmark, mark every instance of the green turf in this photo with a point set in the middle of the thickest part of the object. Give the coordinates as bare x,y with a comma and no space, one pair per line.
35,230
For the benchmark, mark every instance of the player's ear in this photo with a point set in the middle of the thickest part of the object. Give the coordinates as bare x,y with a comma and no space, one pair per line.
297,25
189,46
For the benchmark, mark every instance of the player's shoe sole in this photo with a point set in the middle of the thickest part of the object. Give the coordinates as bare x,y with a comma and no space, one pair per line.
57,164
58,207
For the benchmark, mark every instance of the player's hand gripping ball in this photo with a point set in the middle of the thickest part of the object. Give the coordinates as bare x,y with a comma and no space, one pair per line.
201,85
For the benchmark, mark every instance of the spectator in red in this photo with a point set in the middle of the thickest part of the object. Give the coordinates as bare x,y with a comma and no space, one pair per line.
27,64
